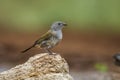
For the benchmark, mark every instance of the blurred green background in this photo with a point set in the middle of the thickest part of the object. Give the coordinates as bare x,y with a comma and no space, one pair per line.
82,14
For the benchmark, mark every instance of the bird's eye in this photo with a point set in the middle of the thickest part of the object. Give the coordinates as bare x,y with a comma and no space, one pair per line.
59,23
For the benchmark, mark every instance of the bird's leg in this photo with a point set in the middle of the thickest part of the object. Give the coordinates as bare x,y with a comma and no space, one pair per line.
50,52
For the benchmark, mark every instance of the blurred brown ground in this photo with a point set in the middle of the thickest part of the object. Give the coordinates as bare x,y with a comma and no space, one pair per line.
81,49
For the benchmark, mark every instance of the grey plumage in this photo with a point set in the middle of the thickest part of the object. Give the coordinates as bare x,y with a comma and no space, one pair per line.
51,38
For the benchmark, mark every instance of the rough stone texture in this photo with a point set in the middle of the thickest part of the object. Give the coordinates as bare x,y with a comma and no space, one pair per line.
40,67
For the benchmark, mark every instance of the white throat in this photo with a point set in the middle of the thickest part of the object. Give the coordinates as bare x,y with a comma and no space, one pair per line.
58,34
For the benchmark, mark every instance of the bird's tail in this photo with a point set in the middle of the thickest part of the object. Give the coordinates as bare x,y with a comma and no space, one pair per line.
28,48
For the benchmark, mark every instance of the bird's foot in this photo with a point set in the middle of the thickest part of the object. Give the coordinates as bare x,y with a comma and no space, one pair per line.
49,51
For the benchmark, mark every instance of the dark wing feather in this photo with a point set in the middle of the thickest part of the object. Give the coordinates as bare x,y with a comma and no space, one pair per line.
28,48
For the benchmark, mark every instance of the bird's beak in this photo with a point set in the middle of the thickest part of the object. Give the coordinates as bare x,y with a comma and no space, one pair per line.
65,24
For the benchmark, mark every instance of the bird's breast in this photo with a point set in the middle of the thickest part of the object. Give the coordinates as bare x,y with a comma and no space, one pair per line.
58,34
54,41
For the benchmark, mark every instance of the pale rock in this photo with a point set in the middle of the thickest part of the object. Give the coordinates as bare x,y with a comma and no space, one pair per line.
39,67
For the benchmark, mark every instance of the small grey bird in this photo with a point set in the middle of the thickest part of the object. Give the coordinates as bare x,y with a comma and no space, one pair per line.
49,39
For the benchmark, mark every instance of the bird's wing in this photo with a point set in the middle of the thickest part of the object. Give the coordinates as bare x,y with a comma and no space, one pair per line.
39,41
46,36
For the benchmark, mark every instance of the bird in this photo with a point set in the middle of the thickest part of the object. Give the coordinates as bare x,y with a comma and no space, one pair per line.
50,39
117,59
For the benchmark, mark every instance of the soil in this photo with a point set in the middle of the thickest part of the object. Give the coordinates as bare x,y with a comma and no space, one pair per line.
81,49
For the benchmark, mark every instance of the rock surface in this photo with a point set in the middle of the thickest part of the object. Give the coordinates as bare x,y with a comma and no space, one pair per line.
39,67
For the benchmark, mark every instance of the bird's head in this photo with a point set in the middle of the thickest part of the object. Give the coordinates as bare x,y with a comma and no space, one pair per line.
58,25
